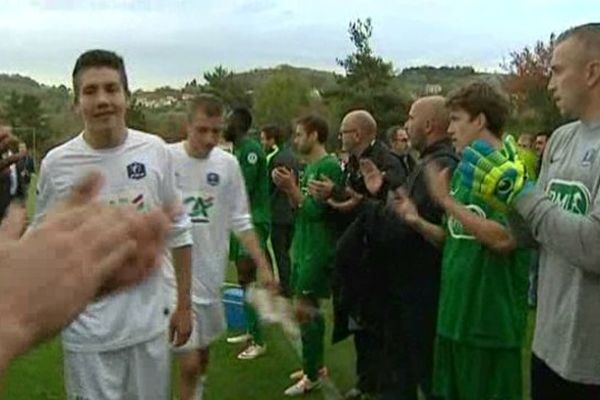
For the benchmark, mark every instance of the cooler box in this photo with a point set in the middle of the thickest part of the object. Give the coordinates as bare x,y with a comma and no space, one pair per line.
233,300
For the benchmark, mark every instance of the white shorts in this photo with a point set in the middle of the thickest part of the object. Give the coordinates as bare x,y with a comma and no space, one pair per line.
142,371
208,324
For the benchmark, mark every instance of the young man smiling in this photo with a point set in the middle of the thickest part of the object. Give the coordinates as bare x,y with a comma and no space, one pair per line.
117,347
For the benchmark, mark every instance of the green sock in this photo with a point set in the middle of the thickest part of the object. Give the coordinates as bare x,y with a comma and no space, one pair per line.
253,323
313,337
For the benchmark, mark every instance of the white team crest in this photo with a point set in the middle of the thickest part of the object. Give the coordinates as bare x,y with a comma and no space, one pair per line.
457,230
252,158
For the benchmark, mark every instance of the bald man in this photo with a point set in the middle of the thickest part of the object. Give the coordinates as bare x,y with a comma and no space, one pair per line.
360,310
416,261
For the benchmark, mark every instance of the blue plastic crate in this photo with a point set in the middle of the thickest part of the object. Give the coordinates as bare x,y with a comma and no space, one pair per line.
233,300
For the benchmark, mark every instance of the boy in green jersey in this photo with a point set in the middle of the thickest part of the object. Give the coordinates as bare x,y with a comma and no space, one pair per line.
313,246
253,163
483,296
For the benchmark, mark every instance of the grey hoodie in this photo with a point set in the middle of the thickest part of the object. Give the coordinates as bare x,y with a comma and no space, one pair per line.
563,215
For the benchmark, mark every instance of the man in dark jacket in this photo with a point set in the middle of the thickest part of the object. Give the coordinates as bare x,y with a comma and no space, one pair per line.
356,310
25,170
412,263
8,176
280,154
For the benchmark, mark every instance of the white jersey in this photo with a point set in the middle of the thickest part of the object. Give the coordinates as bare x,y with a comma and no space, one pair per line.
214,196
138,172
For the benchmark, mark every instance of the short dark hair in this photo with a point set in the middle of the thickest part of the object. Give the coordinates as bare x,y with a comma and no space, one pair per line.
481,98
210,104
243,117
272,132
315,123
588,34
98,59
543,133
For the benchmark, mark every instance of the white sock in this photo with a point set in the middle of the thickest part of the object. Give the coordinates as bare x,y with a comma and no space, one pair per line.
199,392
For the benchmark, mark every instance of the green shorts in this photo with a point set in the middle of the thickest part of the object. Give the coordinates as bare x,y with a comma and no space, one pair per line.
312,280
465,372
238,252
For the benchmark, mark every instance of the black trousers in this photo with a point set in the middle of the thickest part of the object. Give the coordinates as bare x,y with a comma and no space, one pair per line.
281,240
547,384
409,343
368,346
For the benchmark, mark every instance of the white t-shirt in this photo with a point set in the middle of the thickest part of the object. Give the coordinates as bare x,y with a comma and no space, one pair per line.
138,172
215,199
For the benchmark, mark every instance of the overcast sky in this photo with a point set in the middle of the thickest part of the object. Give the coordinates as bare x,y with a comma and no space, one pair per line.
170,42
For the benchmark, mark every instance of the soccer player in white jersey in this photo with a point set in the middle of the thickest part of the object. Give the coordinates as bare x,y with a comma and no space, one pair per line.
117,347
214,196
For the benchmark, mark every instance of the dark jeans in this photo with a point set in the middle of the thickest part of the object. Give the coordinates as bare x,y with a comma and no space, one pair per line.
369,349
547,384
409,343
281,239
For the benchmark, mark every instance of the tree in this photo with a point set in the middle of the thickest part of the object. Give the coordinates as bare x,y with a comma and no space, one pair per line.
222,83
368,82
136,118
281,98
24,111
528,74
362,68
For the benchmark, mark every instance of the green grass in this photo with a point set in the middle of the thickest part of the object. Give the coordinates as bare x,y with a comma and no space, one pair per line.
39,374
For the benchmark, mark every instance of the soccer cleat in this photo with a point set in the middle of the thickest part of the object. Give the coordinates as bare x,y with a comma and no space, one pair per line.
243,338
253,351
297,375
303,386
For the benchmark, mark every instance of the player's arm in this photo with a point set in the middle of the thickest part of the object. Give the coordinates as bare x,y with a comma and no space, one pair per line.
179,240
285,179
249,240
242,224
313,206
491,234
574,237
182,261
405,208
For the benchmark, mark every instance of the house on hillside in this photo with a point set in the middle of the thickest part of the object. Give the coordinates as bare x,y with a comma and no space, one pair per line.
432,89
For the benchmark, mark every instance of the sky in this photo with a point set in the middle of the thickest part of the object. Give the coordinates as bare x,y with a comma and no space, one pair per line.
170,42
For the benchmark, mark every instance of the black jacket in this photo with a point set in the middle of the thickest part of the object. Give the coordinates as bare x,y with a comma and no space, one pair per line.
387,162
412,260
355,278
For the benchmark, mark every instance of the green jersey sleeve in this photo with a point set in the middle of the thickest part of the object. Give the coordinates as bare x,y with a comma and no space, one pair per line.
329,167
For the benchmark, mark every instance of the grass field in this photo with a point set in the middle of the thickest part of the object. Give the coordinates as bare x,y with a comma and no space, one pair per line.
39,374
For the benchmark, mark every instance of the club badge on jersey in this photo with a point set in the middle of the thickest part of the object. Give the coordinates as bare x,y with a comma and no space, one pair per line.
212,178
588,158
136,170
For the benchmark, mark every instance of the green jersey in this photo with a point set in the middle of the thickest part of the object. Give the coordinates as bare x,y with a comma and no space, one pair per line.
530,159
313,245
483,296
253,163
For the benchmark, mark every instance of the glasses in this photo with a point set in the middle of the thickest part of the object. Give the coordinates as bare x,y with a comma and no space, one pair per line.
348,131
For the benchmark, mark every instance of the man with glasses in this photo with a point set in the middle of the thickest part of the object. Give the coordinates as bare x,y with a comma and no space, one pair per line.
400,144
359,288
